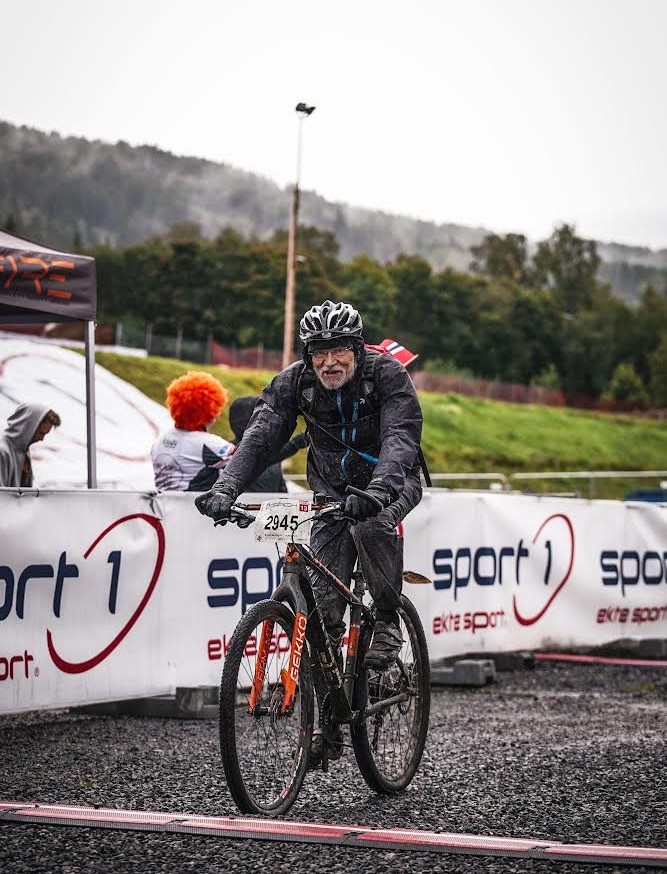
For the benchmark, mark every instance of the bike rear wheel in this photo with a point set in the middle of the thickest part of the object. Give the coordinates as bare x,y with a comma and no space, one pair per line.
388,744
264,752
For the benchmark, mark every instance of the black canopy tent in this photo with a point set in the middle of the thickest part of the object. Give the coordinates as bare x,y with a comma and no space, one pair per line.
40,285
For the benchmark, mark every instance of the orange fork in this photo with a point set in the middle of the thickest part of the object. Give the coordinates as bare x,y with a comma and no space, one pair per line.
260,664
290,677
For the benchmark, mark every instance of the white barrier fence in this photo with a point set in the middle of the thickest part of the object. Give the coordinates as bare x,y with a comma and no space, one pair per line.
113,595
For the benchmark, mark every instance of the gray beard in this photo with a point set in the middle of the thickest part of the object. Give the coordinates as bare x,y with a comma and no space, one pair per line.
339,383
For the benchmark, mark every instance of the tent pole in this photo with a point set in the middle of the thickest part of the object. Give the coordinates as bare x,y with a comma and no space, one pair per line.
90,405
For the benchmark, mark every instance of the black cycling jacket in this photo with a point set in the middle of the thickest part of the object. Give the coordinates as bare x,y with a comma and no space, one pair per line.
386,425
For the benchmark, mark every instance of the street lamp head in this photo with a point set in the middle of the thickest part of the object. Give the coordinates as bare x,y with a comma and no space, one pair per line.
304,109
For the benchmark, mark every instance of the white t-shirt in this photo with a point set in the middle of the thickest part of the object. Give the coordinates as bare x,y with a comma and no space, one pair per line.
188,460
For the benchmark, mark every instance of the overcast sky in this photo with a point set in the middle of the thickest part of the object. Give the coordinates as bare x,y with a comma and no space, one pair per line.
515,115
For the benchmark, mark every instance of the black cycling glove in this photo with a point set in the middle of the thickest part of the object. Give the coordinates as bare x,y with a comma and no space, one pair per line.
359,508
216,503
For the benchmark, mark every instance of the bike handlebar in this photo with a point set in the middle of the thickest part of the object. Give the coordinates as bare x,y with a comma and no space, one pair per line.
241,514
362,494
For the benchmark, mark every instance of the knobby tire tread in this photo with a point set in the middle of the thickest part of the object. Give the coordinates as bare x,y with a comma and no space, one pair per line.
284,618
361,742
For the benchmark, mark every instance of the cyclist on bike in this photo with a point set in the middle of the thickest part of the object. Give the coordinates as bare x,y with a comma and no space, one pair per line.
363,420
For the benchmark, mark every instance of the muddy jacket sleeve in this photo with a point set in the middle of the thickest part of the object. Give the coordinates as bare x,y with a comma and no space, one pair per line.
400,425
292,447
269,429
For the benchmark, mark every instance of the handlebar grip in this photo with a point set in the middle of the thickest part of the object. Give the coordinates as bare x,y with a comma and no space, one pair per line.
361,494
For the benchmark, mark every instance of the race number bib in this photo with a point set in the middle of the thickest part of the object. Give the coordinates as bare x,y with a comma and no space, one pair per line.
284,520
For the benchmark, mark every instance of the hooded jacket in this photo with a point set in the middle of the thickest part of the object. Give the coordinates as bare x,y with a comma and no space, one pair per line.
15,441
240,412
271,479
390,431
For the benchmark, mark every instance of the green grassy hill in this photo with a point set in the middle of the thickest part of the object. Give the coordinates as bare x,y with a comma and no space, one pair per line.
471,435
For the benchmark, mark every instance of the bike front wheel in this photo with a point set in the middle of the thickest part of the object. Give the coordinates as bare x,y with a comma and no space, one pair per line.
389,741
264,751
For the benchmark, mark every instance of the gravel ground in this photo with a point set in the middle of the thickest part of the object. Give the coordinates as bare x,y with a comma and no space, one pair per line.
572,753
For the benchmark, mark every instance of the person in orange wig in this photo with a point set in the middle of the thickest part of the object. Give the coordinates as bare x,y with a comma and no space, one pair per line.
187,458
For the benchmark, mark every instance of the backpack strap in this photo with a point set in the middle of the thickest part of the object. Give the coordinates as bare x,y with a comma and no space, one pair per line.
306,389
372,357
369,364
424,467
307,385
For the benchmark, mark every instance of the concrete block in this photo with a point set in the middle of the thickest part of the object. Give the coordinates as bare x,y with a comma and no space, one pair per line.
465,672
628,647
188,702
200,702
514,661
653,648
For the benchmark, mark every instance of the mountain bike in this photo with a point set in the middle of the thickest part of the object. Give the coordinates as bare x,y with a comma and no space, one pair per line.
266,692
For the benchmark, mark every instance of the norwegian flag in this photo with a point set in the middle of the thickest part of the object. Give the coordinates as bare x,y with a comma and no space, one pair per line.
391,347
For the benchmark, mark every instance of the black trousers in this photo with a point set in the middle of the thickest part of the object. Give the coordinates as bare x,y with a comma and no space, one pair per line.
379,550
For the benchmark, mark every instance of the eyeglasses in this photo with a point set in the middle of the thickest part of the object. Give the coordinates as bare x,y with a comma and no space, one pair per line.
320,355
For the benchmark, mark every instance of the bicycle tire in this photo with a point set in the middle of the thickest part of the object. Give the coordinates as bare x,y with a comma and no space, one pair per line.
389,745
265,757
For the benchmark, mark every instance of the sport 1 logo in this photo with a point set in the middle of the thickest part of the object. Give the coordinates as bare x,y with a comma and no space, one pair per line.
556,526
538,570
77,667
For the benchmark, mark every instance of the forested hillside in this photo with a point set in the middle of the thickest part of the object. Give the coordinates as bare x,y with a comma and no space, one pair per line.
191,248
72,193
70,189
540,318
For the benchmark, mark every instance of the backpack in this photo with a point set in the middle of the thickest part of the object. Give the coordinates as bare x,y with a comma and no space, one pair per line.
367,395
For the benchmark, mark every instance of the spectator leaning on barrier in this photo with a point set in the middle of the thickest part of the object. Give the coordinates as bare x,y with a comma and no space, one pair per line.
186,458
28,424
271,479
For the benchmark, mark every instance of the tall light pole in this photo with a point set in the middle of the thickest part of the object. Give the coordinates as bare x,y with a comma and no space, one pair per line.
303,111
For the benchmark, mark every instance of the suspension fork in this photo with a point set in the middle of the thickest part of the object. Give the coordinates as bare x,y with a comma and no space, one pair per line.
289,677
260,664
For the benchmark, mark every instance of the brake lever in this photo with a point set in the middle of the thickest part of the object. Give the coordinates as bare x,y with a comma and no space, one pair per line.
351,490
239,517
337,513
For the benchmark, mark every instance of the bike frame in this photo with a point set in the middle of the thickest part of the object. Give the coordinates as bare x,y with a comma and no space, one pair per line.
295,589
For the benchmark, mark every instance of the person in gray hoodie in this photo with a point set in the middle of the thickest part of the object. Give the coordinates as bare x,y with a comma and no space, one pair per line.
28,424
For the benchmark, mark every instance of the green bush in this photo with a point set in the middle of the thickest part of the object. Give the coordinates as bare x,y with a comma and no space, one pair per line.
626,385
447,368
658,363
548,378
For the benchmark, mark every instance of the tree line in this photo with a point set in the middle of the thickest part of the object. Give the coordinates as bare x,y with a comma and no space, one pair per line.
540,318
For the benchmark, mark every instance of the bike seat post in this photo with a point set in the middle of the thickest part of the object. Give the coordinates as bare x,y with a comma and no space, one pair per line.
359,588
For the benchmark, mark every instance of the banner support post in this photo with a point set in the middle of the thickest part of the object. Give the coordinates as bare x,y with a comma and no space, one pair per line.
91,447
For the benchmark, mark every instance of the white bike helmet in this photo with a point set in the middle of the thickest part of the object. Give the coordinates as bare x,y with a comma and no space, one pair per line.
329,321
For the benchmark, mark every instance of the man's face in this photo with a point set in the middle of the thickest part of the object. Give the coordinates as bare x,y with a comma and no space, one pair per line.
334,367
42,430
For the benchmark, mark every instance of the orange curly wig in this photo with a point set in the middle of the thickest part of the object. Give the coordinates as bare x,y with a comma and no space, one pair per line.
195,399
